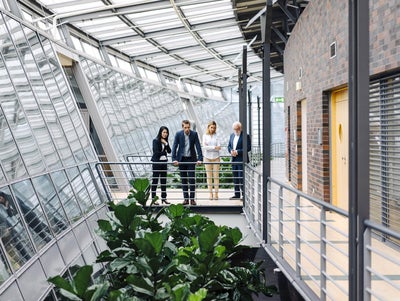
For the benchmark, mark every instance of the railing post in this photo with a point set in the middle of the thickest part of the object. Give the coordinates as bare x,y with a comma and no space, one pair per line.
367,263
297,237
267,207
280,214
323,254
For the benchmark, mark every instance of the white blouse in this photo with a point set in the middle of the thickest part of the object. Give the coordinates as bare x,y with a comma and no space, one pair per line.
209,144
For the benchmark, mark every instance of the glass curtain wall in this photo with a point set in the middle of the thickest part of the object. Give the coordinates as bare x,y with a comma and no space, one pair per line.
47,181
132,110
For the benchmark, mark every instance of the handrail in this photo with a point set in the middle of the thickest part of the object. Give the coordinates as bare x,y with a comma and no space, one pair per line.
382,229
115,178
310,198
308,240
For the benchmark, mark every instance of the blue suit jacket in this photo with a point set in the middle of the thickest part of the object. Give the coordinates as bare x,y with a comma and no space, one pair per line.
179,146
239,147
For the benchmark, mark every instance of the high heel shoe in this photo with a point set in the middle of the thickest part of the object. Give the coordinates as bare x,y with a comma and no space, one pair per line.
165,202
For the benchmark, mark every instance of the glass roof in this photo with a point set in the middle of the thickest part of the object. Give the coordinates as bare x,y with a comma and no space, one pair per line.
194,39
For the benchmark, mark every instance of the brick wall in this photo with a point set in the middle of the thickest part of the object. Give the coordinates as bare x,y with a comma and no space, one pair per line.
307,53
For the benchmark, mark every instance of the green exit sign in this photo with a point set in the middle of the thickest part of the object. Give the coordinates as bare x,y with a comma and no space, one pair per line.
279,99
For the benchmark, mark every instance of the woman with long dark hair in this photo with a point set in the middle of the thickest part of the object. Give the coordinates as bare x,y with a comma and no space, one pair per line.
161,149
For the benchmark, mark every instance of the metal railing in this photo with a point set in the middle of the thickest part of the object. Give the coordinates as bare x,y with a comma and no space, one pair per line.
308,239
116,176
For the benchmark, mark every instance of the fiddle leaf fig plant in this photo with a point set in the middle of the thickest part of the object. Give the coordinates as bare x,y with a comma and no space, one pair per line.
168,254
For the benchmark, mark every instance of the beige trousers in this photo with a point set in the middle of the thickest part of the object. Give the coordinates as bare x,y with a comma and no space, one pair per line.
212,172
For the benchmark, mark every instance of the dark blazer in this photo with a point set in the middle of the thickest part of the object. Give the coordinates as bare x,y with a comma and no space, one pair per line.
239,147
179,146
158,152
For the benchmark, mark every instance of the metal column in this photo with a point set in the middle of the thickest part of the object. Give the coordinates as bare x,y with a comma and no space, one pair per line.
243,110
266,22
359,142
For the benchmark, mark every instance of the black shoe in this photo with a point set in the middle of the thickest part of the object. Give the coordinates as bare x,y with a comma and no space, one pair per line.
193,202
165,202
185,202
235,197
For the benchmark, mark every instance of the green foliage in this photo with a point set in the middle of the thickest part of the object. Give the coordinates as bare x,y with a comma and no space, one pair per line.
186,257
225,176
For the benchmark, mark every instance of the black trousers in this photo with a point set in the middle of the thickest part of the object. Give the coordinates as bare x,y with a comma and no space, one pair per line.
237,171
187,173
159,173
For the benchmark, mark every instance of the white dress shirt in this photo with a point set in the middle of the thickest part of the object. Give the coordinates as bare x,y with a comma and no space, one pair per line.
235,141
209,144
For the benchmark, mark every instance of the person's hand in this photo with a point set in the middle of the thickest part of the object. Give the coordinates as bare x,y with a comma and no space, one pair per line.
234,153
176,163
198,162
218,147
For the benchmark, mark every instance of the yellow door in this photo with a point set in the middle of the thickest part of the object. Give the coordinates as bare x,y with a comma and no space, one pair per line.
340,149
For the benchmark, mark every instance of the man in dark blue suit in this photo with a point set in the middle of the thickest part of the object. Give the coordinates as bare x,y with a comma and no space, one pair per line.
235,148
186,153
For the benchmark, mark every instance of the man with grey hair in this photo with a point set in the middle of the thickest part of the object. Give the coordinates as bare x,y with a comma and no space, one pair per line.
235,148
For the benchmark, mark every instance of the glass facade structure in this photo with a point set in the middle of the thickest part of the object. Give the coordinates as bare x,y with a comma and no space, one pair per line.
48,187
57,120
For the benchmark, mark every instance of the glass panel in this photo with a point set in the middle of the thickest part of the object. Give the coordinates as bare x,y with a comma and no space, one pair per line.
5,270
15,113
32,212
128,106
33,112
79,189
10,157
91,187
67,196
51,203
14,236
75,116
54,107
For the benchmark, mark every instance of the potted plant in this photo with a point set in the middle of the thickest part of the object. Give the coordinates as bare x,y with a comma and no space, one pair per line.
184,257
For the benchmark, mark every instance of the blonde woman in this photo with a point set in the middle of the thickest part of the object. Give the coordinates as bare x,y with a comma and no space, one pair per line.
211,147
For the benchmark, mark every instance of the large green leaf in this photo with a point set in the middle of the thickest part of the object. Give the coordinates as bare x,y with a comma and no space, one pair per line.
125,214
145,247
181,291
120,263
234,234
208,238
82,279
100,290
104,225
61,283
141,284
156,239
175,210
199,295
69,295
141,184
